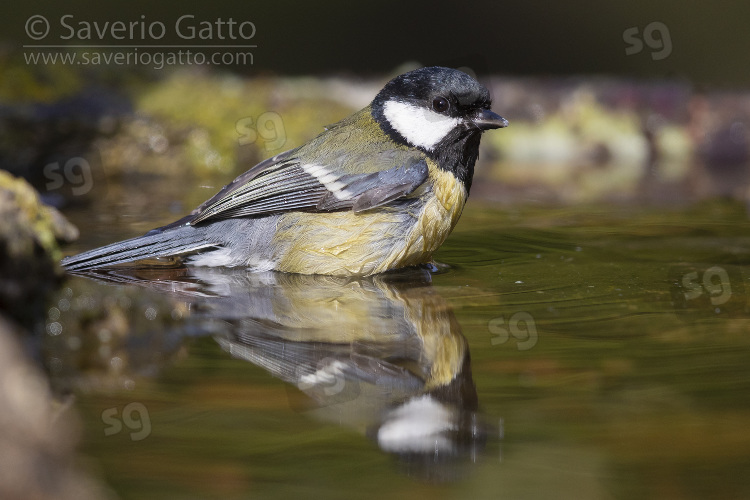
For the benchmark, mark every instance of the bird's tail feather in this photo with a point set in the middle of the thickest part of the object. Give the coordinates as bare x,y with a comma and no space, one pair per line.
173,242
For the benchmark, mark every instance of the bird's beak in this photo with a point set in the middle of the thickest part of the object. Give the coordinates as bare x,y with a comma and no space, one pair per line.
486,119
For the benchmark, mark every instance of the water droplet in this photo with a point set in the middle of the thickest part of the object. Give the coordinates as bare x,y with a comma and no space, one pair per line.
53,313
150,313
54,328
116,362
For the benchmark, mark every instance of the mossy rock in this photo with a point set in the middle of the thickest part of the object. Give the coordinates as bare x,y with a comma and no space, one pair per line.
29,252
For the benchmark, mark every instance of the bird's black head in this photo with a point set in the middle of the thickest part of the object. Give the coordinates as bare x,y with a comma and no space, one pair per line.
441,111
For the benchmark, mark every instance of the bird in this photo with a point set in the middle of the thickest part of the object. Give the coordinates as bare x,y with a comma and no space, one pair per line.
379,190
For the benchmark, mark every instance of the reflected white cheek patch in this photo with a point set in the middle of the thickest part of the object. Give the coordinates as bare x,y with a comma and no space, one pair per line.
420,126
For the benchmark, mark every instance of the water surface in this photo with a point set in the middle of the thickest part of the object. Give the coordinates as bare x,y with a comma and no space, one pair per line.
586,352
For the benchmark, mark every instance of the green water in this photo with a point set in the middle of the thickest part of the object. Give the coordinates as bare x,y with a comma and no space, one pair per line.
588,352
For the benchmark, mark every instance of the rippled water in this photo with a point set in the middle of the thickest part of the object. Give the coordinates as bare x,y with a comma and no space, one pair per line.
591,352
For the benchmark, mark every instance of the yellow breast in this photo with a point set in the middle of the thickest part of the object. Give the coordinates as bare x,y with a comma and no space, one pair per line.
346,243
440,212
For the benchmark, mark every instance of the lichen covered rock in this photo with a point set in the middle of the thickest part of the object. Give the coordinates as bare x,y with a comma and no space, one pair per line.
29,252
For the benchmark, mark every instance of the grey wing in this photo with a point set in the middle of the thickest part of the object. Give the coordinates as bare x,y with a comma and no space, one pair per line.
284,183
365,191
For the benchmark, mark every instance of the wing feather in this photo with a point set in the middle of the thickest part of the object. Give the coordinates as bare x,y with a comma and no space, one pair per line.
280,189
283,183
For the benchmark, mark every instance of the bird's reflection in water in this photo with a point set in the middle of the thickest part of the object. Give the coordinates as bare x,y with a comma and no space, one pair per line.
382,354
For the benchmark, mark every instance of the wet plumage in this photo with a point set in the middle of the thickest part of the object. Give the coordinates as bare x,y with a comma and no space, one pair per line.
379,190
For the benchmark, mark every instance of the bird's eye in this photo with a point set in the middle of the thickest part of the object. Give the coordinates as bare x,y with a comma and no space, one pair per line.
440,104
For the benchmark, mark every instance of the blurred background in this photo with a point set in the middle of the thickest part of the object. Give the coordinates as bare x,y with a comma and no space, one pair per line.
620,102
610,217
372,38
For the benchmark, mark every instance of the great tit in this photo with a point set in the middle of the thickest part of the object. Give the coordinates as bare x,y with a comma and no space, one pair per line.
379,190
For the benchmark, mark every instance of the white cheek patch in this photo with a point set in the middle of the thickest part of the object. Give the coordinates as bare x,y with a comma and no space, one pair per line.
420,425
421,127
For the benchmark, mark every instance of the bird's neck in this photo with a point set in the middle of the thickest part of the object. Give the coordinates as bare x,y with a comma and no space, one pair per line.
457,152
